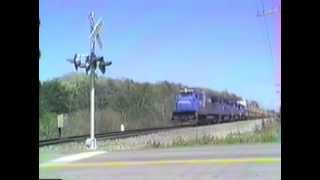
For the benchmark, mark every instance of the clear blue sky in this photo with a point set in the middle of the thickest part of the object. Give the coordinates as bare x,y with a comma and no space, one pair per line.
221,44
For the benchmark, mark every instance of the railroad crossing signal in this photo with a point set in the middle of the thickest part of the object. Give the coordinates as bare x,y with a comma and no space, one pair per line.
95,29
90,65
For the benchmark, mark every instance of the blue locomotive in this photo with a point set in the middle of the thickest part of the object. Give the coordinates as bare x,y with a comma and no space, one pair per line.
192,106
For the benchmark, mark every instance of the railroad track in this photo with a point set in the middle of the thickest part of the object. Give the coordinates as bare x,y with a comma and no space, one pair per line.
108,135
115,135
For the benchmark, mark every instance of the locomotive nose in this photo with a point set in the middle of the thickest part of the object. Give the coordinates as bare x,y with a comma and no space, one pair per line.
184,102
185,105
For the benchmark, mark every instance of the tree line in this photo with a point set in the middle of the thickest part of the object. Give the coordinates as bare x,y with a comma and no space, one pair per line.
117,101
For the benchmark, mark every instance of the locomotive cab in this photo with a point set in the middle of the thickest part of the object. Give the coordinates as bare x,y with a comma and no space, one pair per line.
188,104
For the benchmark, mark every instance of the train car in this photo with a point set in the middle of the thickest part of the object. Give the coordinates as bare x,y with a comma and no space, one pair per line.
188,104
255,111
194,107
214,111
243,112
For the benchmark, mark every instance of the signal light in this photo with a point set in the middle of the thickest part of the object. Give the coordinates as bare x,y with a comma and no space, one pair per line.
87,68
108,63
102,67
75,62
91,63
103,64
87,64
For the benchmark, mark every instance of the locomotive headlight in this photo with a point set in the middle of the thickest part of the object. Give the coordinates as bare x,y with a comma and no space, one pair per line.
184,102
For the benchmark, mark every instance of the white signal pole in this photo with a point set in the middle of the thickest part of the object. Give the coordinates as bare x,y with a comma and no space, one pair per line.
93,143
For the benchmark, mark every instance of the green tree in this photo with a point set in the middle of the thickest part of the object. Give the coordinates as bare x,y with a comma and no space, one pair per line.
55,96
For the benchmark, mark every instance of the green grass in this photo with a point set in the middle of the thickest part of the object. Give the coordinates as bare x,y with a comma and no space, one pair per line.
47,156
270,133
56,151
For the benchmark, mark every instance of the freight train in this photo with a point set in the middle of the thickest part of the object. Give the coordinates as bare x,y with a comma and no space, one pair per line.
193,107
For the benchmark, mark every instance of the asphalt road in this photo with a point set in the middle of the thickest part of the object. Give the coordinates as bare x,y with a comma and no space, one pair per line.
262,161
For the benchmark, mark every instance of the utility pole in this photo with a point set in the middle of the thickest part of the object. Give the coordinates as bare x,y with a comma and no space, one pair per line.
279,92
39,53
265,13
269,12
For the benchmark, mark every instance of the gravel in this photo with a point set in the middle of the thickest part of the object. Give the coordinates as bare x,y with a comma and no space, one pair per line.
162,139
168,138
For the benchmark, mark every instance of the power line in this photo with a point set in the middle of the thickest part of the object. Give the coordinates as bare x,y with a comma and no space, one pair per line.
265,13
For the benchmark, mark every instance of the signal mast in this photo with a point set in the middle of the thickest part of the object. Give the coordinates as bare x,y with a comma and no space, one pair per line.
91,63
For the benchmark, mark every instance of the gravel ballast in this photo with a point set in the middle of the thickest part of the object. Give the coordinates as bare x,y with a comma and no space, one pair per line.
166,138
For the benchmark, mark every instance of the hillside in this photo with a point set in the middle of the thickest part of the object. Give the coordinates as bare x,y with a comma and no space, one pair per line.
136,105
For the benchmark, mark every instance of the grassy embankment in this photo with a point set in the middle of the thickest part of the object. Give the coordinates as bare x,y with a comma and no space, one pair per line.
269,133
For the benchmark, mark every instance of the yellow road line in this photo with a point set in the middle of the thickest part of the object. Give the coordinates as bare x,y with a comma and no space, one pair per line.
163,162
